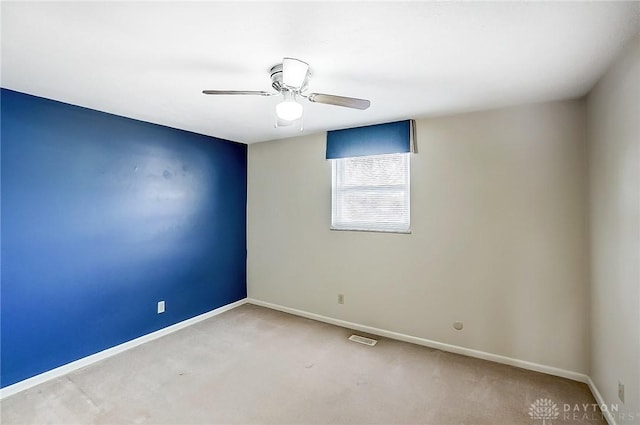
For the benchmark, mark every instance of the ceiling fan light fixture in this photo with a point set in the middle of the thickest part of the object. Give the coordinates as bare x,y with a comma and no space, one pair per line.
289,109
294,72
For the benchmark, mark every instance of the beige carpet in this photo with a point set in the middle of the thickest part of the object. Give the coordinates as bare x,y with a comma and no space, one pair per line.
253,365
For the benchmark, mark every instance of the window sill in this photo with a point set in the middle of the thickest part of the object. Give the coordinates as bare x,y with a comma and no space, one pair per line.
340,229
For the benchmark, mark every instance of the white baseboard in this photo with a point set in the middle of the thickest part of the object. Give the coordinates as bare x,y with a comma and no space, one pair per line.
580,377
86,361
611,420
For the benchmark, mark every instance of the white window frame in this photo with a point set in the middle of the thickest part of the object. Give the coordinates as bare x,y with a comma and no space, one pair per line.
338,222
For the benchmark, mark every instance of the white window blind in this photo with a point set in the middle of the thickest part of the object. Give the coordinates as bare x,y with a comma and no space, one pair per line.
371,193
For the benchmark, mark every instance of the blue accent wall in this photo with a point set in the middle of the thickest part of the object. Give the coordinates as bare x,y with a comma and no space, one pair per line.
102,217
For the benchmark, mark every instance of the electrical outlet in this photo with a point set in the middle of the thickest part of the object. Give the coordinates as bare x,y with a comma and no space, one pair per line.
621,391
160,307
340,298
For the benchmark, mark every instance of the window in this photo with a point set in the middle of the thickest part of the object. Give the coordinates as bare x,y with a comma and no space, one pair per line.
371,193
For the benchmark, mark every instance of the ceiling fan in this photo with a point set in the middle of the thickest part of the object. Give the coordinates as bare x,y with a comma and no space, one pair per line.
290,79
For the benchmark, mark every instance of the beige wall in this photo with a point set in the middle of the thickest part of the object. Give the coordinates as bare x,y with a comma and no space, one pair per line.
614,181
498,236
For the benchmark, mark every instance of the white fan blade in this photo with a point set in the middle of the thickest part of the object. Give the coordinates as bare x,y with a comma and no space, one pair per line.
348,102
260,93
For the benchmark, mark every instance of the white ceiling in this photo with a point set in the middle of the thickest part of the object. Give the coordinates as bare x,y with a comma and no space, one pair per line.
151,60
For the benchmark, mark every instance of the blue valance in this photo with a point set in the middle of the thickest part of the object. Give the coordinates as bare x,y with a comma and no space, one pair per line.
379,139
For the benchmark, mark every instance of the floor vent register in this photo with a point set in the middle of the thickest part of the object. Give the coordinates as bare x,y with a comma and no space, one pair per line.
363,340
